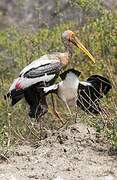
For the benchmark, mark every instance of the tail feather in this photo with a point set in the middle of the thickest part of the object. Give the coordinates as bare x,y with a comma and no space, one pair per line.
33,96
15,95
16,99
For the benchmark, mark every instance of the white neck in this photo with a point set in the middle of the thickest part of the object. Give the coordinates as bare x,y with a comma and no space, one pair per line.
71,80
67,90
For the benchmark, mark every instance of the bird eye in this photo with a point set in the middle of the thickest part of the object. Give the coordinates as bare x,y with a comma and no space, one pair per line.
71,37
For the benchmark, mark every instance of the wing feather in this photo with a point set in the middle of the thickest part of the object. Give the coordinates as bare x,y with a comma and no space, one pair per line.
89,96
42,61
49,69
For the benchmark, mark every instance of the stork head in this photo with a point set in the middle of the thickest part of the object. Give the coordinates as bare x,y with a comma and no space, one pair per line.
70,37
67,35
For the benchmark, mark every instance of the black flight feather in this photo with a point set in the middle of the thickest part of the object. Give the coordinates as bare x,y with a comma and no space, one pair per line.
89,96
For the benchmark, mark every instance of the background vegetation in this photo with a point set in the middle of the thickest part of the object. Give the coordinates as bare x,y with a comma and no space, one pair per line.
19,47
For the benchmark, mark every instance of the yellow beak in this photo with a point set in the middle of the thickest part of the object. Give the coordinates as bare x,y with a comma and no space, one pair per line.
77,43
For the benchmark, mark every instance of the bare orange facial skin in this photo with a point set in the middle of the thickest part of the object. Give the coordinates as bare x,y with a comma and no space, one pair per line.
71,38
70,35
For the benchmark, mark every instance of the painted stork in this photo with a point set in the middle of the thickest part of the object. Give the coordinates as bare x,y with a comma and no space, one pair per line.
43,72
85,94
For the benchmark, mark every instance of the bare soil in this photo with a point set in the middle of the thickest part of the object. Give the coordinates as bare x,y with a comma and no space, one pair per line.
67,154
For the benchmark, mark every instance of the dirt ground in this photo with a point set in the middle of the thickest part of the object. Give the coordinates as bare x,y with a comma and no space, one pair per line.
67,154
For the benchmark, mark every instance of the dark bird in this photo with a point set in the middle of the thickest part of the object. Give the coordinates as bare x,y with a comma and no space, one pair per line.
43,73
85,94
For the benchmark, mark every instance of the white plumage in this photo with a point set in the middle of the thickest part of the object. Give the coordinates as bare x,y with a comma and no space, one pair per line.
23,82
68,88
